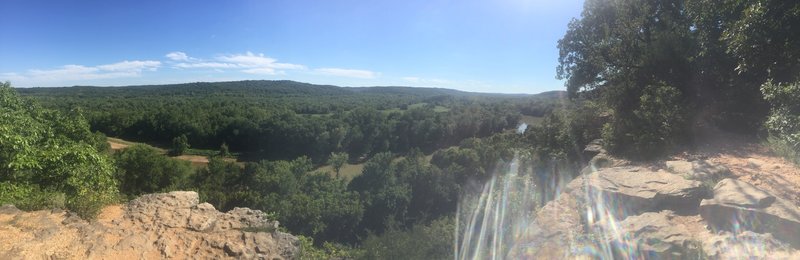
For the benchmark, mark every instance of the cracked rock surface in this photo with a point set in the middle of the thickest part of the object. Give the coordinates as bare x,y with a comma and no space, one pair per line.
153,226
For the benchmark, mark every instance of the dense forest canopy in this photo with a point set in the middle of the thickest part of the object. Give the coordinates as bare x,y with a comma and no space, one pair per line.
286,119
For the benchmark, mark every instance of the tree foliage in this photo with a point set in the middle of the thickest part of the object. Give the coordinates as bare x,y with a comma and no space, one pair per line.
46,152
714,55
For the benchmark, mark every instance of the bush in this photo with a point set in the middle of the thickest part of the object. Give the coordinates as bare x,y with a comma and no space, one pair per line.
783,123
30,197
656,124
49,159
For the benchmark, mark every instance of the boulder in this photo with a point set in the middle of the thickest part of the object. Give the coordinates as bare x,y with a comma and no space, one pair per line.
737,205
630,190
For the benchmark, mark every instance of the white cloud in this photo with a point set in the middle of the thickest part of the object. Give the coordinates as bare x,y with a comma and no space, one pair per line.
212,65
178,56
248,59
80,72
350,73
248,63
136,65
265,71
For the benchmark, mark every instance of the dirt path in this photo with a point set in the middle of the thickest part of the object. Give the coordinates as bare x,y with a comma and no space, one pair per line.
749,161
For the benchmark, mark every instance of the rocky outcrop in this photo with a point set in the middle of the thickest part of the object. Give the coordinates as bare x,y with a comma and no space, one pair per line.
618,210
630,190
166,225
738,205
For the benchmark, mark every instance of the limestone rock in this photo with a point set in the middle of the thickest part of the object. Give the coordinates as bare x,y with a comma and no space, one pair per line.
739,205
653,235
632,190
165,225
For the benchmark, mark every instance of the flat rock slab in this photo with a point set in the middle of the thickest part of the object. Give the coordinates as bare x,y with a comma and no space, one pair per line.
737,205
629,190
651,235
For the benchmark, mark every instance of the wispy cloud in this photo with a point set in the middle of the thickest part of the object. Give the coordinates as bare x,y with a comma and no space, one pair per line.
350,73
247,62
209,65
80,72
178,56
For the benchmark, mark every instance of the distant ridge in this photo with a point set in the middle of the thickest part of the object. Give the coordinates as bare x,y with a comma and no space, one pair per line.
258,87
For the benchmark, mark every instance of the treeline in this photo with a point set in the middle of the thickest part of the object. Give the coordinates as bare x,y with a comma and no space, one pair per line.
668,70
284,120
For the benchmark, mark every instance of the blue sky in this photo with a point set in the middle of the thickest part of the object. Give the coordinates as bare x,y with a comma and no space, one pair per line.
504,46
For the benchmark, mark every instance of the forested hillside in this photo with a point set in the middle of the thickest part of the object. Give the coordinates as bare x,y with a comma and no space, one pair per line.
286,120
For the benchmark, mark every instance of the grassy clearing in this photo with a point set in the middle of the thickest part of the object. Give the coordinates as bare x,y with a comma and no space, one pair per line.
348,171
532,120
197,157
437,109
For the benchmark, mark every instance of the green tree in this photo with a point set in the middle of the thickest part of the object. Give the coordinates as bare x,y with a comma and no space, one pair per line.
337,160
180,145
46,153
622,51
223,150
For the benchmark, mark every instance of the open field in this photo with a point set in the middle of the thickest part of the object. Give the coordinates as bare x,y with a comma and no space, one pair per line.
348,171
195,157
532,120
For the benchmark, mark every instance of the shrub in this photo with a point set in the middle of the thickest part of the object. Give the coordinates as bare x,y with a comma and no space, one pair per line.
49,159
656,124
783,123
